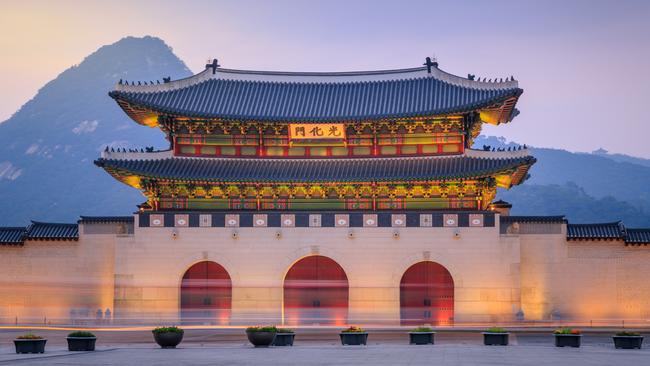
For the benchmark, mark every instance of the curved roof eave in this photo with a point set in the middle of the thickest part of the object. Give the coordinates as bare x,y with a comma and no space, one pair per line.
460,109
221,170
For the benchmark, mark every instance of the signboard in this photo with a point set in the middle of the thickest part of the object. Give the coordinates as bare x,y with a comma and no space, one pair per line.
316,131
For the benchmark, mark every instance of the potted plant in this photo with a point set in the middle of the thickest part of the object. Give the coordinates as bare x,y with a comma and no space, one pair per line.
421,335
353,336
628,340
284,337
81,341
261,336
495,336
168,337
567,337
30,343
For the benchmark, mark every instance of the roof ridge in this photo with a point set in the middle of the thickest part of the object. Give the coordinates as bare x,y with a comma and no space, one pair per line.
307,77
598,223
51,223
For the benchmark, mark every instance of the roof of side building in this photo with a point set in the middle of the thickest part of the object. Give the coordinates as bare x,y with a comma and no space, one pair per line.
12,235
52,231
603,231
637,236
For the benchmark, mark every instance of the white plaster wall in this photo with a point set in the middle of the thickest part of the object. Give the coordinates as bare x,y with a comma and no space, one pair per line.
149,268
599,281
42,281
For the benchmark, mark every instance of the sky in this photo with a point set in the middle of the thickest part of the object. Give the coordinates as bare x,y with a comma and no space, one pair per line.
584,65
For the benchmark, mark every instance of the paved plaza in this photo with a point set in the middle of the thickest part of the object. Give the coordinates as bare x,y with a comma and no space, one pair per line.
321,347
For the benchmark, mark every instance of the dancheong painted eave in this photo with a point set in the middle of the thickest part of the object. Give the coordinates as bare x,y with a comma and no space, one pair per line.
471,165
318,97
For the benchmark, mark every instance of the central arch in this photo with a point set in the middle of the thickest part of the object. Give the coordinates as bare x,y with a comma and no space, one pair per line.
427,295
206,294
316,291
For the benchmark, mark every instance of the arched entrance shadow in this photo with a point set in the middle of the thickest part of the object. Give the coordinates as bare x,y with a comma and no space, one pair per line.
427,295
316,291
206,294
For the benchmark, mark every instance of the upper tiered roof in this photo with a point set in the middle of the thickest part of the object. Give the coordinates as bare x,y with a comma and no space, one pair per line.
315,96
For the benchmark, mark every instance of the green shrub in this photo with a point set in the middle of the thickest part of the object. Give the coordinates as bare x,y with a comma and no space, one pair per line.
81,334
285,330
496,330
628,334
566,331
160,330
422,329
29,336
353,329
267,328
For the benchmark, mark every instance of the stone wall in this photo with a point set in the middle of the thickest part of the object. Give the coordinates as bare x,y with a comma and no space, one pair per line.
137,274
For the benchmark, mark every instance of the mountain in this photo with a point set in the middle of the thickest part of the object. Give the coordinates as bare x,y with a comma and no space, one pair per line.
571,200
47,147
613,186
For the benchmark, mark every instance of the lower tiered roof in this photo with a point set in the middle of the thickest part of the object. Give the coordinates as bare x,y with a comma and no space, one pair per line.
470,165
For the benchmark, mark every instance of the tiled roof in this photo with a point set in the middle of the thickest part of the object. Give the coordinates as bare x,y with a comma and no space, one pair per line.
277,96
105,219
319,170
51,231
12,235
637,236
606,231
533,219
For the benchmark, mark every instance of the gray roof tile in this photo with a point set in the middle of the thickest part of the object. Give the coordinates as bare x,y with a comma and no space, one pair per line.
251,96
12,235
637,236
52,231
606,231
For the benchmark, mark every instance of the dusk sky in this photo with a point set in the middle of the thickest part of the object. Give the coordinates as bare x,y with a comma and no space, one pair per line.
584,65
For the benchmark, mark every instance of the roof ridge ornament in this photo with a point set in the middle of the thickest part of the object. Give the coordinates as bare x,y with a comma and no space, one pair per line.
212,65
430,62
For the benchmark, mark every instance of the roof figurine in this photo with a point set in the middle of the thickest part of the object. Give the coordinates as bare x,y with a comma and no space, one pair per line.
428,62
213,65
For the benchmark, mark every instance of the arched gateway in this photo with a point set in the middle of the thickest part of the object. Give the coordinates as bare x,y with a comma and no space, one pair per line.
427,295
206,293
316,292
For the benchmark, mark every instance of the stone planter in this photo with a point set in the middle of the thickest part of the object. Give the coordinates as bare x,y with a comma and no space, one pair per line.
567,340
495,339
421,337
30,345
284,339
354,339
261,339
628,342
168,340
81,343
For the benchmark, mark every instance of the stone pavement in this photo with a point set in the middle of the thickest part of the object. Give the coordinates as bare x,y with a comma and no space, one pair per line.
205,347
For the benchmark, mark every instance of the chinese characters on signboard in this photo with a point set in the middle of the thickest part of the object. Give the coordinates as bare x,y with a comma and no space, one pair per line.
313,131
